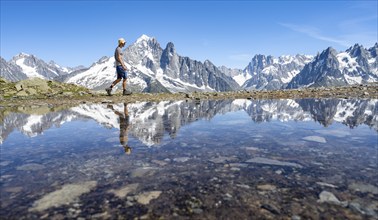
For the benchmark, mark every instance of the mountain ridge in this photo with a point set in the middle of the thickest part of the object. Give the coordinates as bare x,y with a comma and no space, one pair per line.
154,69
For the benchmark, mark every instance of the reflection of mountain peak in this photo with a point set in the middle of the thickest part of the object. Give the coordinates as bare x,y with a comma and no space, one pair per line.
151,121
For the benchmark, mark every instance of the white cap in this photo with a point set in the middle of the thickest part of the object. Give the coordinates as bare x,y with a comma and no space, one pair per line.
121,41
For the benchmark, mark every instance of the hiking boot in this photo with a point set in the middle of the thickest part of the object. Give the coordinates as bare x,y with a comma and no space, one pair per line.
109,91
125,92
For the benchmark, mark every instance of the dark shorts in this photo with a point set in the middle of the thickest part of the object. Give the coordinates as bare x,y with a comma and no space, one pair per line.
121,73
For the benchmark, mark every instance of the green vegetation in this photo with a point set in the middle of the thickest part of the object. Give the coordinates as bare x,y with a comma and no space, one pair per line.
39,88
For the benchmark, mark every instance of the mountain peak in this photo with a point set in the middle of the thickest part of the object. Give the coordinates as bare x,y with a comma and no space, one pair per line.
22,55
170,48
355,47
208,62
146,42
144,38
327,52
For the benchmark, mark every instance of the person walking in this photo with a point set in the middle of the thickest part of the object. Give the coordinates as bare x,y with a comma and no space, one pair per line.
120,68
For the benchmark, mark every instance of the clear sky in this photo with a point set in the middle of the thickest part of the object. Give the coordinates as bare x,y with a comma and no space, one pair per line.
227,33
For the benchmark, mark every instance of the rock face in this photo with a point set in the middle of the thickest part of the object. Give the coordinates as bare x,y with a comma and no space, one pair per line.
11,72
23,66
269,73
354,66
174,72
153,69
34,67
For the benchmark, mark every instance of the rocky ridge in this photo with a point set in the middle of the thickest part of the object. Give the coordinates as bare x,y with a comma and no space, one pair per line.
39,91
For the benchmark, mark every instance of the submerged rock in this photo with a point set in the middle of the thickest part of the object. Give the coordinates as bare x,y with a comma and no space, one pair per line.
328,197
122,192
30,167
67,194
326,184
142,172
315,139
220,159
266,187
181,159
336,133
15,189
261,160
271,208
364,188
146,197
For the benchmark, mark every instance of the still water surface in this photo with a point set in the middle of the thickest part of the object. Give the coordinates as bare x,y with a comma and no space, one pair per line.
229,159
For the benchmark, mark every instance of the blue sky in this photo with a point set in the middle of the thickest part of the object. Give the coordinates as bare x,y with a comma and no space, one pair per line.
227,33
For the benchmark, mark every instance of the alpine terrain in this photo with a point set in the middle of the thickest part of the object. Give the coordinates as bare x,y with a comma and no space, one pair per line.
154,69
354,66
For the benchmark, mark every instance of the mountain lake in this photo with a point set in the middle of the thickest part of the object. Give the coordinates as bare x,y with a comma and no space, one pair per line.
210,159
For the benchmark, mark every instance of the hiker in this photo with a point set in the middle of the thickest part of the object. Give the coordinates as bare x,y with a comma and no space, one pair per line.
121,69
124,123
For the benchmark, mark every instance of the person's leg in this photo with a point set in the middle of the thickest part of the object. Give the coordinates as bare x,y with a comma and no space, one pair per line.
124,76
115,82
119,77
109,89
124,84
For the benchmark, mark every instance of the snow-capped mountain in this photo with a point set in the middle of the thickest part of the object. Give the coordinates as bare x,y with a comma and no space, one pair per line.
150,121
24,66
267,72
237,74
10,71
153,69
354,66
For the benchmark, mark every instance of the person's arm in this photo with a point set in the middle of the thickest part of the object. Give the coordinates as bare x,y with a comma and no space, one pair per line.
121,61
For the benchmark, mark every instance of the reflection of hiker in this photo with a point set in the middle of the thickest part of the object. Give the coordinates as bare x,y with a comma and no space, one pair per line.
120,67
123,127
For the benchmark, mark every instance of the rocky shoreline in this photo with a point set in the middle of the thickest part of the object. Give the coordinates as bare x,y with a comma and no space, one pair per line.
24,94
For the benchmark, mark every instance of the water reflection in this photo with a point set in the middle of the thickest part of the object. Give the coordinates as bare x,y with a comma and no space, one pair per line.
124,122
229,159
151,120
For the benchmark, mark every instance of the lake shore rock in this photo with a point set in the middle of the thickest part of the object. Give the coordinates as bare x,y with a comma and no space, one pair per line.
41,92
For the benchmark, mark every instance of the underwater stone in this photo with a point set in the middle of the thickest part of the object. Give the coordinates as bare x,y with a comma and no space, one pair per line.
363,188
67,194
266,187
122,192
146,197
328,197
315,139
261,160
30,167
